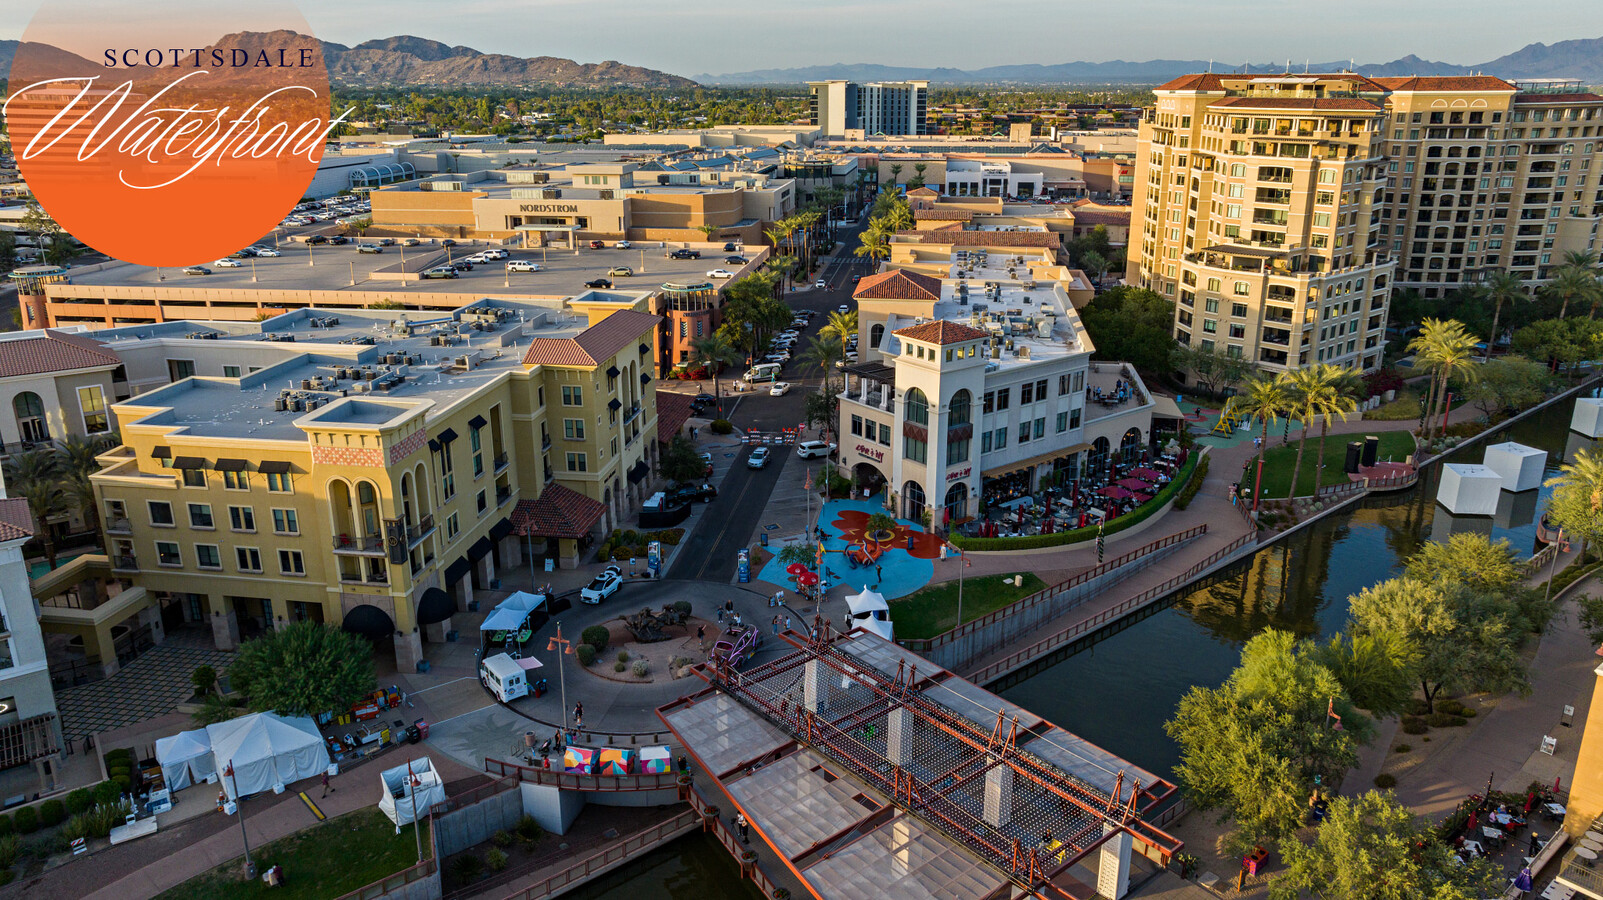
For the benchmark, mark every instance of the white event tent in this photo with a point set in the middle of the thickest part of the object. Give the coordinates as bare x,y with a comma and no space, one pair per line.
185,758
405,799
266,750
870,612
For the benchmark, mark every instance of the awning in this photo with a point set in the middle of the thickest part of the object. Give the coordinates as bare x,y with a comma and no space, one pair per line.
638,471
368,620
501,529
161,453
915,431
873,371
447,436
435,606
455,571
613,371
559,512
434,446
480,549
614,404
189,462
960,432
273,467
644,379
1165,408
231,465
644,349
477,422
1009,468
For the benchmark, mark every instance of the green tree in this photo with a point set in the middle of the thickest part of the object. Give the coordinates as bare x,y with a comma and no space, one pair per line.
1502,287
917,181
1212,370
841,328
1573,283
303,668
1268,397
77,462
1254,748
873,243
1577,502
1376,669
680,461
1315,393
8,251
714,352
1589,610
1511,382
1561,344
53,240
1373,848
1446,350
34,475
1134,325
896,172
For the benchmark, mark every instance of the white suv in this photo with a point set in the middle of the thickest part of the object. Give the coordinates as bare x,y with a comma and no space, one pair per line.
814,449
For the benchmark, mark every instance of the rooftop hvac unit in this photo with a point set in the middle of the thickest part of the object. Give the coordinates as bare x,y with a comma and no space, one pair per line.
1024,351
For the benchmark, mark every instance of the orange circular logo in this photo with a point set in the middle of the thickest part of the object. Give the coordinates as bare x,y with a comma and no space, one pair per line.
169,139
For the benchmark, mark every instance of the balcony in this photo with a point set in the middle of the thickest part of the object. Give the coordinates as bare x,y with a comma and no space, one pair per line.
119,526
124,563
502,460
372,578
632,414
545,442
373,544
502,495
416,533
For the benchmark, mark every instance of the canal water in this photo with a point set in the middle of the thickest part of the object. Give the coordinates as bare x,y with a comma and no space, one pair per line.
1119,691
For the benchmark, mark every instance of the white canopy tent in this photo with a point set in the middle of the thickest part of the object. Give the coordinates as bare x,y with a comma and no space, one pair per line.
185,758
266,750
509,614
409,793
870,612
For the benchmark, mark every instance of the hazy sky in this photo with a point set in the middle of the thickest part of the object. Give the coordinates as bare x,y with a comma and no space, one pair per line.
689,39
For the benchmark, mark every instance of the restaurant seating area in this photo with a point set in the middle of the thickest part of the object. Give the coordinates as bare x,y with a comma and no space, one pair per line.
1115,488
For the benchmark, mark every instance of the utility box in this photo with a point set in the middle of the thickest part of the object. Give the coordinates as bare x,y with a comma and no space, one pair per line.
1519,466
1469,490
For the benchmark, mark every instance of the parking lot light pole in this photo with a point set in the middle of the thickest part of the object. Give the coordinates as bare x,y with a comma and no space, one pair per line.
564,648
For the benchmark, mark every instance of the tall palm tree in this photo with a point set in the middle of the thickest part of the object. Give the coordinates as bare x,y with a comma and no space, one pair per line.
896,172
841,327
1570,283
876,245
1577,502
714,352
1444,347
1503,287
1268,397
34,476
1317,392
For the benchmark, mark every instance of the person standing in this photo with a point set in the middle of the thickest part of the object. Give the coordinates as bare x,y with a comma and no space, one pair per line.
326,788
740,823
776,624
787,623
879,572
701,636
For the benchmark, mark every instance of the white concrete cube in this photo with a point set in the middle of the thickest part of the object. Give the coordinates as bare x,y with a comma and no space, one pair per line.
1588,417
1519,466
1469,490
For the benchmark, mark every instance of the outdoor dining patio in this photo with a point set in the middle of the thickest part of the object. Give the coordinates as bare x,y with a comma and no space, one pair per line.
1113,489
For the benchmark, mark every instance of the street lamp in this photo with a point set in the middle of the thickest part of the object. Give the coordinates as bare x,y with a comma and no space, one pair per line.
963,563
239,810
566,648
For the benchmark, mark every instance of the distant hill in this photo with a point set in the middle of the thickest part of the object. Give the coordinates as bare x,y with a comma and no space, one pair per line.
1581,59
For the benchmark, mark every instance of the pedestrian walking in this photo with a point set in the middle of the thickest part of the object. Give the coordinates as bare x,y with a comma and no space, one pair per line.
684,766
776,624
720,615
737,620
740,823
701,636
787,623
326,788
879,572
1536,843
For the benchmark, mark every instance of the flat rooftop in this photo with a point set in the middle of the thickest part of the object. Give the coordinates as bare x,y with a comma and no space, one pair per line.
1037,321
321,267
328,355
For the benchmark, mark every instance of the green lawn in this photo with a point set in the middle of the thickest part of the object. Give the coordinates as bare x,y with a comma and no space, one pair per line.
1279,461
327,860
932,610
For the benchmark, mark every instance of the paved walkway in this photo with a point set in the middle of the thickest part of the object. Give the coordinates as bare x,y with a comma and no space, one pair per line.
150,686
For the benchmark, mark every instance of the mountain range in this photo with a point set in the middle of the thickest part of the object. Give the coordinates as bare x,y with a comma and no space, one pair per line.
413,61
1581,59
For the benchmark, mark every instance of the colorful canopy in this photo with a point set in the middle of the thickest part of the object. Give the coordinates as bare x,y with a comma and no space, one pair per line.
807,579
579,760
1148,474
615,761
795,568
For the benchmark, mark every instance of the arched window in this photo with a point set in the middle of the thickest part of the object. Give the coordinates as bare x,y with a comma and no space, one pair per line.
918,407
958,408
912,500
367,501
956,501
1097,460
30,413
1130,447
875,334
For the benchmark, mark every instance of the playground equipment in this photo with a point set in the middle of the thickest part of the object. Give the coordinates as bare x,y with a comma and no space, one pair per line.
738,646
1229,419
650,627
864,554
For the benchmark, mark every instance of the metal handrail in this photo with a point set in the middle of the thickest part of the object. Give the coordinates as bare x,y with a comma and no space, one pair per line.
364,544
575,782
554,884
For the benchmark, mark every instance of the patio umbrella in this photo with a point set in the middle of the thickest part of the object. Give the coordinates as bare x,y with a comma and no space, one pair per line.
1522,881
1134,484
1083,517
807,579
1147,474
1046,526
1474,819
1140,497
795,568
1530,798
1116,493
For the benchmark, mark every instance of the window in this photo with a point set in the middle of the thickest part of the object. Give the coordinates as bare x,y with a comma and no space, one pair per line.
248,559
194,477
242,518
236,481
573,429
1238,330
167,554
1063,384
448,471
1002,398
92,402
200,515
207,557
290,562
285,522
1024,431
1040,389
1040,428
478,457
539,396
279,483
917,409
989,402
483,504
1062,422
1026,393
451,528
1210,305
1074,418
572,395
1238,310
577,462
161,513
1001,438
230,371
1240,289
884,434
857,425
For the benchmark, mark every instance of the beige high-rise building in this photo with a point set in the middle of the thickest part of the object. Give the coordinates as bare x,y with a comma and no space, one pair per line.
1256,202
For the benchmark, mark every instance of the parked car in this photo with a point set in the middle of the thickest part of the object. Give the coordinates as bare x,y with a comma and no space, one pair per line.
603,586
316,239
621,272
339,239
369,248
601,283
440,272
268,251
227,263
623,245
383,242
730,247
463,265
691,493
720,273
197,270
410,242
447,243
758,458
523,265
779,389
685,253
598,245
814,449
495,253
735,260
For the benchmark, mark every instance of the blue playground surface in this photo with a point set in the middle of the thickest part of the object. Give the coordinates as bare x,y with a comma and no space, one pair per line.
901,572
1203,429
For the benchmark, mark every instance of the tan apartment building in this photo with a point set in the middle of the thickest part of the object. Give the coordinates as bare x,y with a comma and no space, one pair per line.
371,468
1257,208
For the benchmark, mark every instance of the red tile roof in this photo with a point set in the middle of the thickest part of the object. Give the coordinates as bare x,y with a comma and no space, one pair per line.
1445,83
16,522
591,346
1299,103
1102,217
985,238
54,351
941,332
922,192
1198,82
898,285
673,411
559,512
960,215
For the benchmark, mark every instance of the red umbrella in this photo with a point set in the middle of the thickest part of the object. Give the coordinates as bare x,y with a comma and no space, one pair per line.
1083,517
795,569
1140,497
1474,818
1530,798
807,579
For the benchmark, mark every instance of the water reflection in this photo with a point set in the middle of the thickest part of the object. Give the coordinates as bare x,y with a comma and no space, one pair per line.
1119,692
693,867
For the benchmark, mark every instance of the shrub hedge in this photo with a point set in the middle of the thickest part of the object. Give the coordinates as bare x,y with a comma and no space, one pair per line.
1061,538
586,654
721,426
596,636
1192,485
52,812
26,820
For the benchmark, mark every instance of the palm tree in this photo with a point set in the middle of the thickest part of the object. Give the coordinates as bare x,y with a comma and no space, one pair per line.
1500,288
714,352
1445,348
34,476
1571,283
1316,392
78,460
876,245
896,172
842,326
1268,398
1577,502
